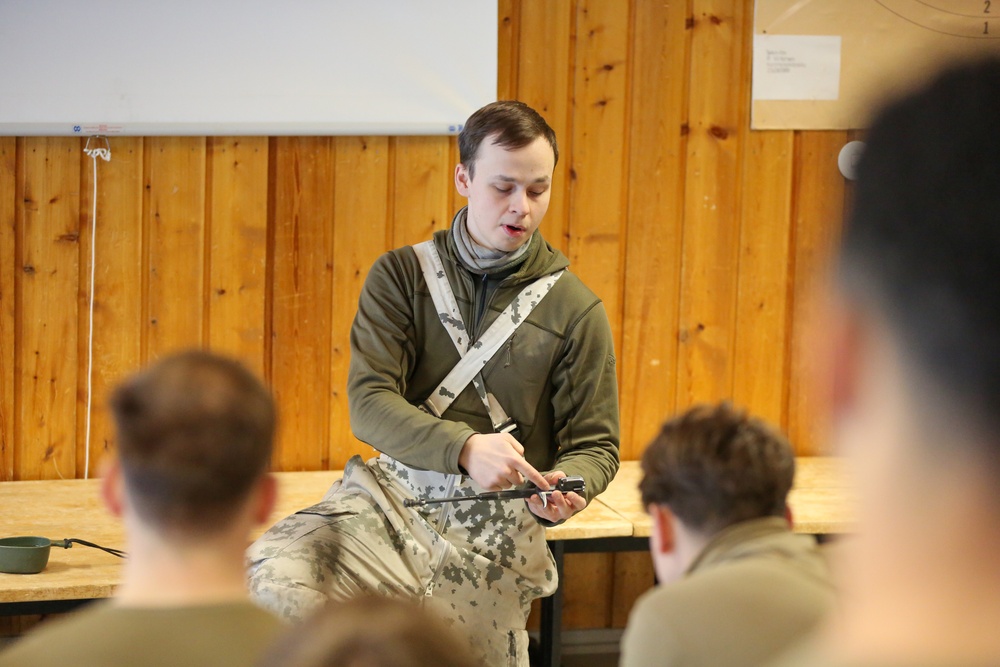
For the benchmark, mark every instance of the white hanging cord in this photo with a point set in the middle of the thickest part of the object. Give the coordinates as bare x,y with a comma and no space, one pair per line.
105,154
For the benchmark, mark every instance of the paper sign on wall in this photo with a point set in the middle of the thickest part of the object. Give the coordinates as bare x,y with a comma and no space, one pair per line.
796,67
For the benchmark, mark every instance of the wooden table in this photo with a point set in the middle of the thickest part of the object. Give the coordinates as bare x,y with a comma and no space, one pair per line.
614,521
822,502
59,509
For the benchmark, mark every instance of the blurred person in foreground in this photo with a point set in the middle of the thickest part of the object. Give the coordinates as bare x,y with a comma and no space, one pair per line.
371,631
916,350
737,587
190,482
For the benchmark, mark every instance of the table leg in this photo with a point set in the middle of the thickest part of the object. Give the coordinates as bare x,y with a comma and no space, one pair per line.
552,608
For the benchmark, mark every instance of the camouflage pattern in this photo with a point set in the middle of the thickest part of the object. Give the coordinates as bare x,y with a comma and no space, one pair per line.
478,563
476,354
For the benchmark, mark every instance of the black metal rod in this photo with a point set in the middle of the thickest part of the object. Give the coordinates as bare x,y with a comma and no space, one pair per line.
510,494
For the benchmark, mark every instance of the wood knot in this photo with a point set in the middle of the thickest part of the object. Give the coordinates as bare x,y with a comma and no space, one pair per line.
689,23
715,20
685,129
718,132
29,269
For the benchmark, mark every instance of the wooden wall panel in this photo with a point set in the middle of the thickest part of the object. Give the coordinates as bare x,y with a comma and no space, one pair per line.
174,222
46,369
422,179
597,162
8,301
117,294
588,589
717,120
658,88
361,196
302,212
236,173
762,301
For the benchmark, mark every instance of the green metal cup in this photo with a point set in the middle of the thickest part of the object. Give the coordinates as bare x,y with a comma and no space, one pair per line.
24,555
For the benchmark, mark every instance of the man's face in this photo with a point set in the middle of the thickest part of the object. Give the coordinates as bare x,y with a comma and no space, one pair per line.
509,194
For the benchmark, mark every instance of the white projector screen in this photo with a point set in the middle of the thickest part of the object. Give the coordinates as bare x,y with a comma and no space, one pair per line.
244,67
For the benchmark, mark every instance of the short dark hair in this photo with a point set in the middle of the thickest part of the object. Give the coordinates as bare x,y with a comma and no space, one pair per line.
512,125
922,244
195,432
714,466
370,631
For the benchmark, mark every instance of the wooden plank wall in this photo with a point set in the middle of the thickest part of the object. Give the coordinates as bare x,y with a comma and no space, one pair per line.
707,242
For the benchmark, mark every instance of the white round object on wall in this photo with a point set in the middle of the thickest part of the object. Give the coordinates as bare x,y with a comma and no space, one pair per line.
848,158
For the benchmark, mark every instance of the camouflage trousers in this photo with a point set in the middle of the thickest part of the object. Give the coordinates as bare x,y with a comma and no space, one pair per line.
478,563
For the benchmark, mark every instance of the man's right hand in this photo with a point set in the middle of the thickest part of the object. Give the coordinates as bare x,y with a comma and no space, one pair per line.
496,462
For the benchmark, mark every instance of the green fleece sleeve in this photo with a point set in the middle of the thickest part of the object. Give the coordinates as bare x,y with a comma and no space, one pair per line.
383,353
585,403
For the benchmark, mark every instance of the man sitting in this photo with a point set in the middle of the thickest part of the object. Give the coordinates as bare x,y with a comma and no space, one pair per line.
195,433
737,586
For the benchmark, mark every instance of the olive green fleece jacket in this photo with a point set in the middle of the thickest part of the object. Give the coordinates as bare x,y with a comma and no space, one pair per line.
555,377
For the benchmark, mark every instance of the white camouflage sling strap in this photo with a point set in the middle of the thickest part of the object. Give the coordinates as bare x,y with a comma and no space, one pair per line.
476,354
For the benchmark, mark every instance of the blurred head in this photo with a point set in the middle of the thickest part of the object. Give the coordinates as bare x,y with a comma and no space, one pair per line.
921,249
710,468
916,350
508,154
195,433
919,347
370,632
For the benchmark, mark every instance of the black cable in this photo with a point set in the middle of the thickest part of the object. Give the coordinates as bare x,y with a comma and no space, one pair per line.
68,543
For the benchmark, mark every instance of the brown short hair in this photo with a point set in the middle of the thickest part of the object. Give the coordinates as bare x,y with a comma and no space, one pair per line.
512,125
714,466
371,631
195,432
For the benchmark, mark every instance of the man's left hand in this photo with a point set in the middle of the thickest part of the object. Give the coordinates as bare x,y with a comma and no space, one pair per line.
561,506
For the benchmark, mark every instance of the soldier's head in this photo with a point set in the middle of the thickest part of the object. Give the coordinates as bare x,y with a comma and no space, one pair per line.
195,433
916,350
371,632
509,124
921,247
710,468
507,155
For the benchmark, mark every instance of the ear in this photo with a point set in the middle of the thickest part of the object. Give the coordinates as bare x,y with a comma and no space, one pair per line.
662,539
788,516
463,180
266,498
113,486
